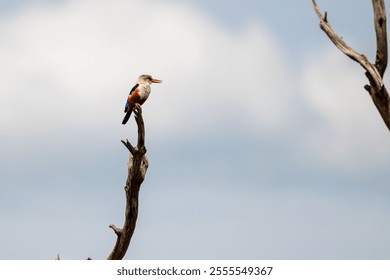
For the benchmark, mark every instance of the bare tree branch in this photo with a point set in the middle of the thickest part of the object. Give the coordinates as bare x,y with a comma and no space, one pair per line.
374,72
137,167
381,36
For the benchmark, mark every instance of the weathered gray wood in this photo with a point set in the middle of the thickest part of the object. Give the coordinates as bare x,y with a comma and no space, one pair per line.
137,167
374,72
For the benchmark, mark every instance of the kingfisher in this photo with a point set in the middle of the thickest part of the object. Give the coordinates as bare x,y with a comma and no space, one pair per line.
138,94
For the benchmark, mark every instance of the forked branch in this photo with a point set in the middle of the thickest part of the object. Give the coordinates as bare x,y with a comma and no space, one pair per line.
137,167
374,72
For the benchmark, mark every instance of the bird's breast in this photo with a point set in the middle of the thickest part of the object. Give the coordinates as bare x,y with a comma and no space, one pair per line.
144,93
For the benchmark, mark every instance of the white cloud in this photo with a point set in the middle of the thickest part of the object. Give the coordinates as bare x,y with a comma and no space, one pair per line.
72,65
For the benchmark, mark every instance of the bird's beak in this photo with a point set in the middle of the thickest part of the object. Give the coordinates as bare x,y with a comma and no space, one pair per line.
156,81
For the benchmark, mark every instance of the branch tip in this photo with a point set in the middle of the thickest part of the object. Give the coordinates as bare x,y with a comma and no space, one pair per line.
117,230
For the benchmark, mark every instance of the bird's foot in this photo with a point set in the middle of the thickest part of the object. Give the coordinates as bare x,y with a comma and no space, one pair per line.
138,107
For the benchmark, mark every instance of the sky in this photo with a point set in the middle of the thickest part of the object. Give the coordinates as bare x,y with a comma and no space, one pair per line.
262,142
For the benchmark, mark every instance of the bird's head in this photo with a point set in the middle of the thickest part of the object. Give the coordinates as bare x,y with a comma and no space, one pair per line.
147,79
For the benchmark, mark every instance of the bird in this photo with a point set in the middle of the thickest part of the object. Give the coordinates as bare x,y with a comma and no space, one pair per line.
138,94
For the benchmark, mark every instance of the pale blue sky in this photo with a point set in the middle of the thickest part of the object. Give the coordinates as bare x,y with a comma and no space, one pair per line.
262,142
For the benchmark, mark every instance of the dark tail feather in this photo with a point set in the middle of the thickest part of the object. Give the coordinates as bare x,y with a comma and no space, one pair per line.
127,116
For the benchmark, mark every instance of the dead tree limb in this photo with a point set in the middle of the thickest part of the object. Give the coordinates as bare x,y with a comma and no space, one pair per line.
137,167
374,72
